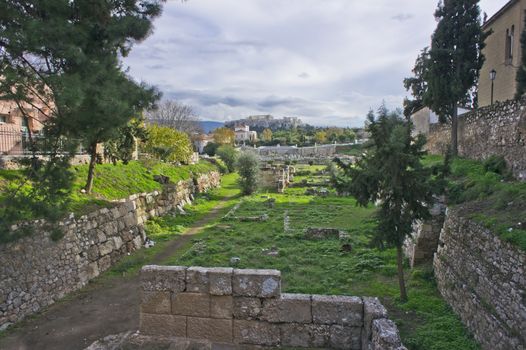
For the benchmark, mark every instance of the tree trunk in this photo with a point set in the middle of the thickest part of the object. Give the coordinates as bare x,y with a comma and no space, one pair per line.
91,169
401,281
454,131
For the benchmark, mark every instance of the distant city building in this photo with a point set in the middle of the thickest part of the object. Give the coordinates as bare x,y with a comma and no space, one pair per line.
243,134
502,53
260,122
201,140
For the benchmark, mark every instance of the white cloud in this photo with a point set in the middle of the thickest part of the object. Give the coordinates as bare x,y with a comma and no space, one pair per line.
326,61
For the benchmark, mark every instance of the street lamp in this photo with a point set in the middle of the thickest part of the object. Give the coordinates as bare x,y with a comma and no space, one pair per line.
492,76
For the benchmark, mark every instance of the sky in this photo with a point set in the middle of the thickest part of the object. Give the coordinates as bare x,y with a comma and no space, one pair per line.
326,61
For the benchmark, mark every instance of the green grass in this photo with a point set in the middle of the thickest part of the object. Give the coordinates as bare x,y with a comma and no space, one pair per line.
494,200
320,267
162,230
119,181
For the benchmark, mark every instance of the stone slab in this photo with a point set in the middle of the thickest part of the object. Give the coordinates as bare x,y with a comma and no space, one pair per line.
342,310
156,302
163,325
289,308
257,283
221,306
191,304
304,335
220,279
163,278
216,330
256,333
246,308
197,280
344,337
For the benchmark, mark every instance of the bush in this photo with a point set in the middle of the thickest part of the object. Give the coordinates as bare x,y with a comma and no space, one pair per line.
168,144
248,168
495,164
229,155
211,149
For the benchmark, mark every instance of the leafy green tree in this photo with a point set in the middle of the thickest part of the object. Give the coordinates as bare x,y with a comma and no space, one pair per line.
248,169
521,72
391,173
211,148
168,144
228,155
267,135
449,70
320,137
66,54
124,144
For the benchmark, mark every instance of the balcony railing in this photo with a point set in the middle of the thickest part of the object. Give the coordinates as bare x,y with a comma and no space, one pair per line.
17,143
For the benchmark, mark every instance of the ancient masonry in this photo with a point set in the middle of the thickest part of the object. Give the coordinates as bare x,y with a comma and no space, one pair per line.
35,271
232,308
484,281
494,130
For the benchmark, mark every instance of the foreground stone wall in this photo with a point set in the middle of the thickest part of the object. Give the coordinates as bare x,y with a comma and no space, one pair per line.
35,271
484,281
233,308
494,130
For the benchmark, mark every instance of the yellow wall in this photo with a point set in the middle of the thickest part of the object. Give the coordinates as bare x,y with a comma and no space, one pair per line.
504,85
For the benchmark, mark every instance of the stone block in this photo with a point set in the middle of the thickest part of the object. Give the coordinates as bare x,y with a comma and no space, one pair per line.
344,337
342,310
163,278
257,283
304,335
385,335
163,325
221,306
215,330
156,302
220,280
197,280
246,308
93,270
104,263
372,310
256,333
191,304
106,248
289,308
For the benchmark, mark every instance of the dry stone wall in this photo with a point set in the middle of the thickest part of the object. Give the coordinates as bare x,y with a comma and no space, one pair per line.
494,130
484,281
35,271
234,308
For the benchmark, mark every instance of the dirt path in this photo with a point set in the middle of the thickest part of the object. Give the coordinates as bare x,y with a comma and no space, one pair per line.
105,307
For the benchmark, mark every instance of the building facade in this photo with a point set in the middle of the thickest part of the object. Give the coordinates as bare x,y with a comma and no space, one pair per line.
502,53
243,134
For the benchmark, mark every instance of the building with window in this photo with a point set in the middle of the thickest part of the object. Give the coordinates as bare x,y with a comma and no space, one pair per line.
502,52
244,135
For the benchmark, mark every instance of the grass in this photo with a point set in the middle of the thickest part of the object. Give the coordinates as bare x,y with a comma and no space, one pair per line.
489,198
119,181
321,266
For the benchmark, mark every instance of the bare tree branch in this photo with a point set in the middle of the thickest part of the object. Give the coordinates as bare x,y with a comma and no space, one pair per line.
175,115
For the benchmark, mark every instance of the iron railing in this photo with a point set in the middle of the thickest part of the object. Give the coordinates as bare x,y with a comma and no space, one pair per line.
16,143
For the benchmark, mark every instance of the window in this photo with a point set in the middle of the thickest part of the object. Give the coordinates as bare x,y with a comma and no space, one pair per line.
510,34
3,119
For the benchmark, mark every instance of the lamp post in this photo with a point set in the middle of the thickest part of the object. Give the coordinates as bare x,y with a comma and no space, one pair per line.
492,76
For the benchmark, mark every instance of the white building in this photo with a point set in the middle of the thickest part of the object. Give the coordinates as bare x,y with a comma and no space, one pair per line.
243,134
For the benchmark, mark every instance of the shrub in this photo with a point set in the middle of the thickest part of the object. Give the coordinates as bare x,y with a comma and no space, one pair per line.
168,144
248,168
495,164
229,155
211,148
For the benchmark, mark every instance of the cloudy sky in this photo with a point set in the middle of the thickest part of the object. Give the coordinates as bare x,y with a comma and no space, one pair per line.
326,61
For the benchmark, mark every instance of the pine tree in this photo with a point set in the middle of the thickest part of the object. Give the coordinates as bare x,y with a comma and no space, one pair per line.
449,70
391,173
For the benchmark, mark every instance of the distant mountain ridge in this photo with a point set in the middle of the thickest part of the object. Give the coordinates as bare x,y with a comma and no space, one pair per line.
209,125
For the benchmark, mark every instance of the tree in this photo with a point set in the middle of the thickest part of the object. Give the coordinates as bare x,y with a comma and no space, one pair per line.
175,115
391,172
266,135
123,146
416,84
320,137
65,54
248,169
228,155
168,144
211,148
450,69
224,136
521,72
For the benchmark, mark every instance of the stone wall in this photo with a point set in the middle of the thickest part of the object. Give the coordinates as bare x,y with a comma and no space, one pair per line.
421,245
494,130
36,270
484,281
233,308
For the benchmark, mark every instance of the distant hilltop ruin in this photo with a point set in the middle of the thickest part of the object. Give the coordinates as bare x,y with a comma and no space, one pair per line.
260,122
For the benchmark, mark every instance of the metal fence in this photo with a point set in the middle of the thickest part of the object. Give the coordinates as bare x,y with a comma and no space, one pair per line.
16,143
